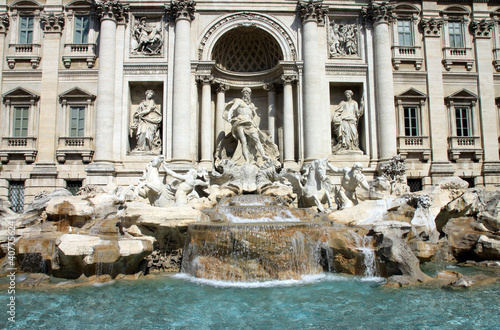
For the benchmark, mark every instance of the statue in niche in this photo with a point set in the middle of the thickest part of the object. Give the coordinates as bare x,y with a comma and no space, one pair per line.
351,179
342,39
246,144
345,123
146,125
149,39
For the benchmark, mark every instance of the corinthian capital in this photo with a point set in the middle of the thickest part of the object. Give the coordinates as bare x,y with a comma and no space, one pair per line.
182,9
4,23
52,22
482,28
112,9
312,10
378,12
431,27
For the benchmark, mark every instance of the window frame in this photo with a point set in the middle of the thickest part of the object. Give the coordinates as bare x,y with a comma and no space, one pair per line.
30,32
461,119
410,33
24,120
80,124
17,207
85,33
408,123
461,34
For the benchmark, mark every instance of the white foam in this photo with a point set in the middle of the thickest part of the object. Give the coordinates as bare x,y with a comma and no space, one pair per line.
306,279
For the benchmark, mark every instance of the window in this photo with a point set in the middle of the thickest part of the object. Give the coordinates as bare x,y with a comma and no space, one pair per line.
411,121
404,32
415,184
81,29
16,196
77,121
26,25
20,128
73,186
462,115
455,33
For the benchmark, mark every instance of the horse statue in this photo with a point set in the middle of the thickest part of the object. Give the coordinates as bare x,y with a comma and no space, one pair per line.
312,187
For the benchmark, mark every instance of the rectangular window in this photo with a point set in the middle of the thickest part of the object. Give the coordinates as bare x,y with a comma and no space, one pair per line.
26,24
77,121
455,32
73,186
411,121
404,32
415,184
81,29
16,196
463,121
20,128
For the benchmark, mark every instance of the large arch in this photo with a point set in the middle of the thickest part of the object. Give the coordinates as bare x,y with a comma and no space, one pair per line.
228,22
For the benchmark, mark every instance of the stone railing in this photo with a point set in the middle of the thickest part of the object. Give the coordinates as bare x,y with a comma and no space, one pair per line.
415,145
24,146
455,55
459,145
79,52
410,54
24,52
82,146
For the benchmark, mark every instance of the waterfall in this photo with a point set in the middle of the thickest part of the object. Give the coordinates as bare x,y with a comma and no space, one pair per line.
237,252
363,245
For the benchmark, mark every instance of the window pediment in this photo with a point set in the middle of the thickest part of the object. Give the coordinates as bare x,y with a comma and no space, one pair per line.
20,94
76,95
462,96
411,94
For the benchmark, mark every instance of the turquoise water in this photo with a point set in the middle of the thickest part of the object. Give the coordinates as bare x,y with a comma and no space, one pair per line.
320,302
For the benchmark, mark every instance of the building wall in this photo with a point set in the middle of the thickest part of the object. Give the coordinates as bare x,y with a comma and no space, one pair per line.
429,74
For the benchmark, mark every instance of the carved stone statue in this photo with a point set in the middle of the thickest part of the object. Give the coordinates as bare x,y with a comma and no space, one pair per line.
149,39
342,39
151,185
246,144
345,123
395,172
351,179
185,186
146,125
312,187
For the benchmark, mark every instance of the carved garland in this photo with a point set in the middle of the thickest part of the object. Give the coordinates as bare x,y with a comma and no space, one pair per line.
482,28
247,16
431,27
52,22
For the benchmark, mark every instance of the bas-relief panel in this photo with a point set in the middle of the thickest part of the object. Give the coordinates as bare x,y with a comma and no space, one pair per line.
147,36
343,38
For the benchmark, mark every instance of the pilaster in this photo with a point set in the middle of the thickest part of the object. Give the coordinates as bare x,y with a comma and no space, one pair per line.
219,111
206,120
288,118
271,110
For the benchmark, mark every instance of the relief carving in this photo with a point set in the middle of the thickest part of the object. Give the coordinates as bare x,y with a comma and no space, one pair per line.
342,39
147,37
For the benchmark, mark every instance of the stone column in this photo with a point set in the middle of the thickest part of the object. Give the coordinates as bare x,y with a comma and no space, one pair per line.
109,12
219,111
440,165
206,120
482,42
311,13
271,110
53,24
182,11
380,16
4,26
288,116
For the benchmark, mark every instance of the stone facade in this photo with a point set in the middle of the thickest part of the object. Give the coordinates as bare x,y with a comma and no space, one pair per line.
424,75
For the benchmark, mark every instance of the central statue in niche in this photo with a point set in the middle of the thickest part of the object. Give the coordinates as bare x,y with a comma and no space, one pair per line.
246,144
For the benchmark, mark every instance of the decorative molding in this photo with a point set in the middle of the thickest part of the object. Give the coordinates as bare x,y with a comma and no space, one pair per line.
250,17
336,70
312,10
141,69
182,9
482,29
378,13
222,88
52,22
4,23
72,74
23,75
431,27
205,79
113,10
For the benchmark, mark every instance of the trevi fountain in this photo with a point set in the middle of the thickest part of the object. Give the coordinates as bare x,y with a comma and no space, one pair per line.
252,244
